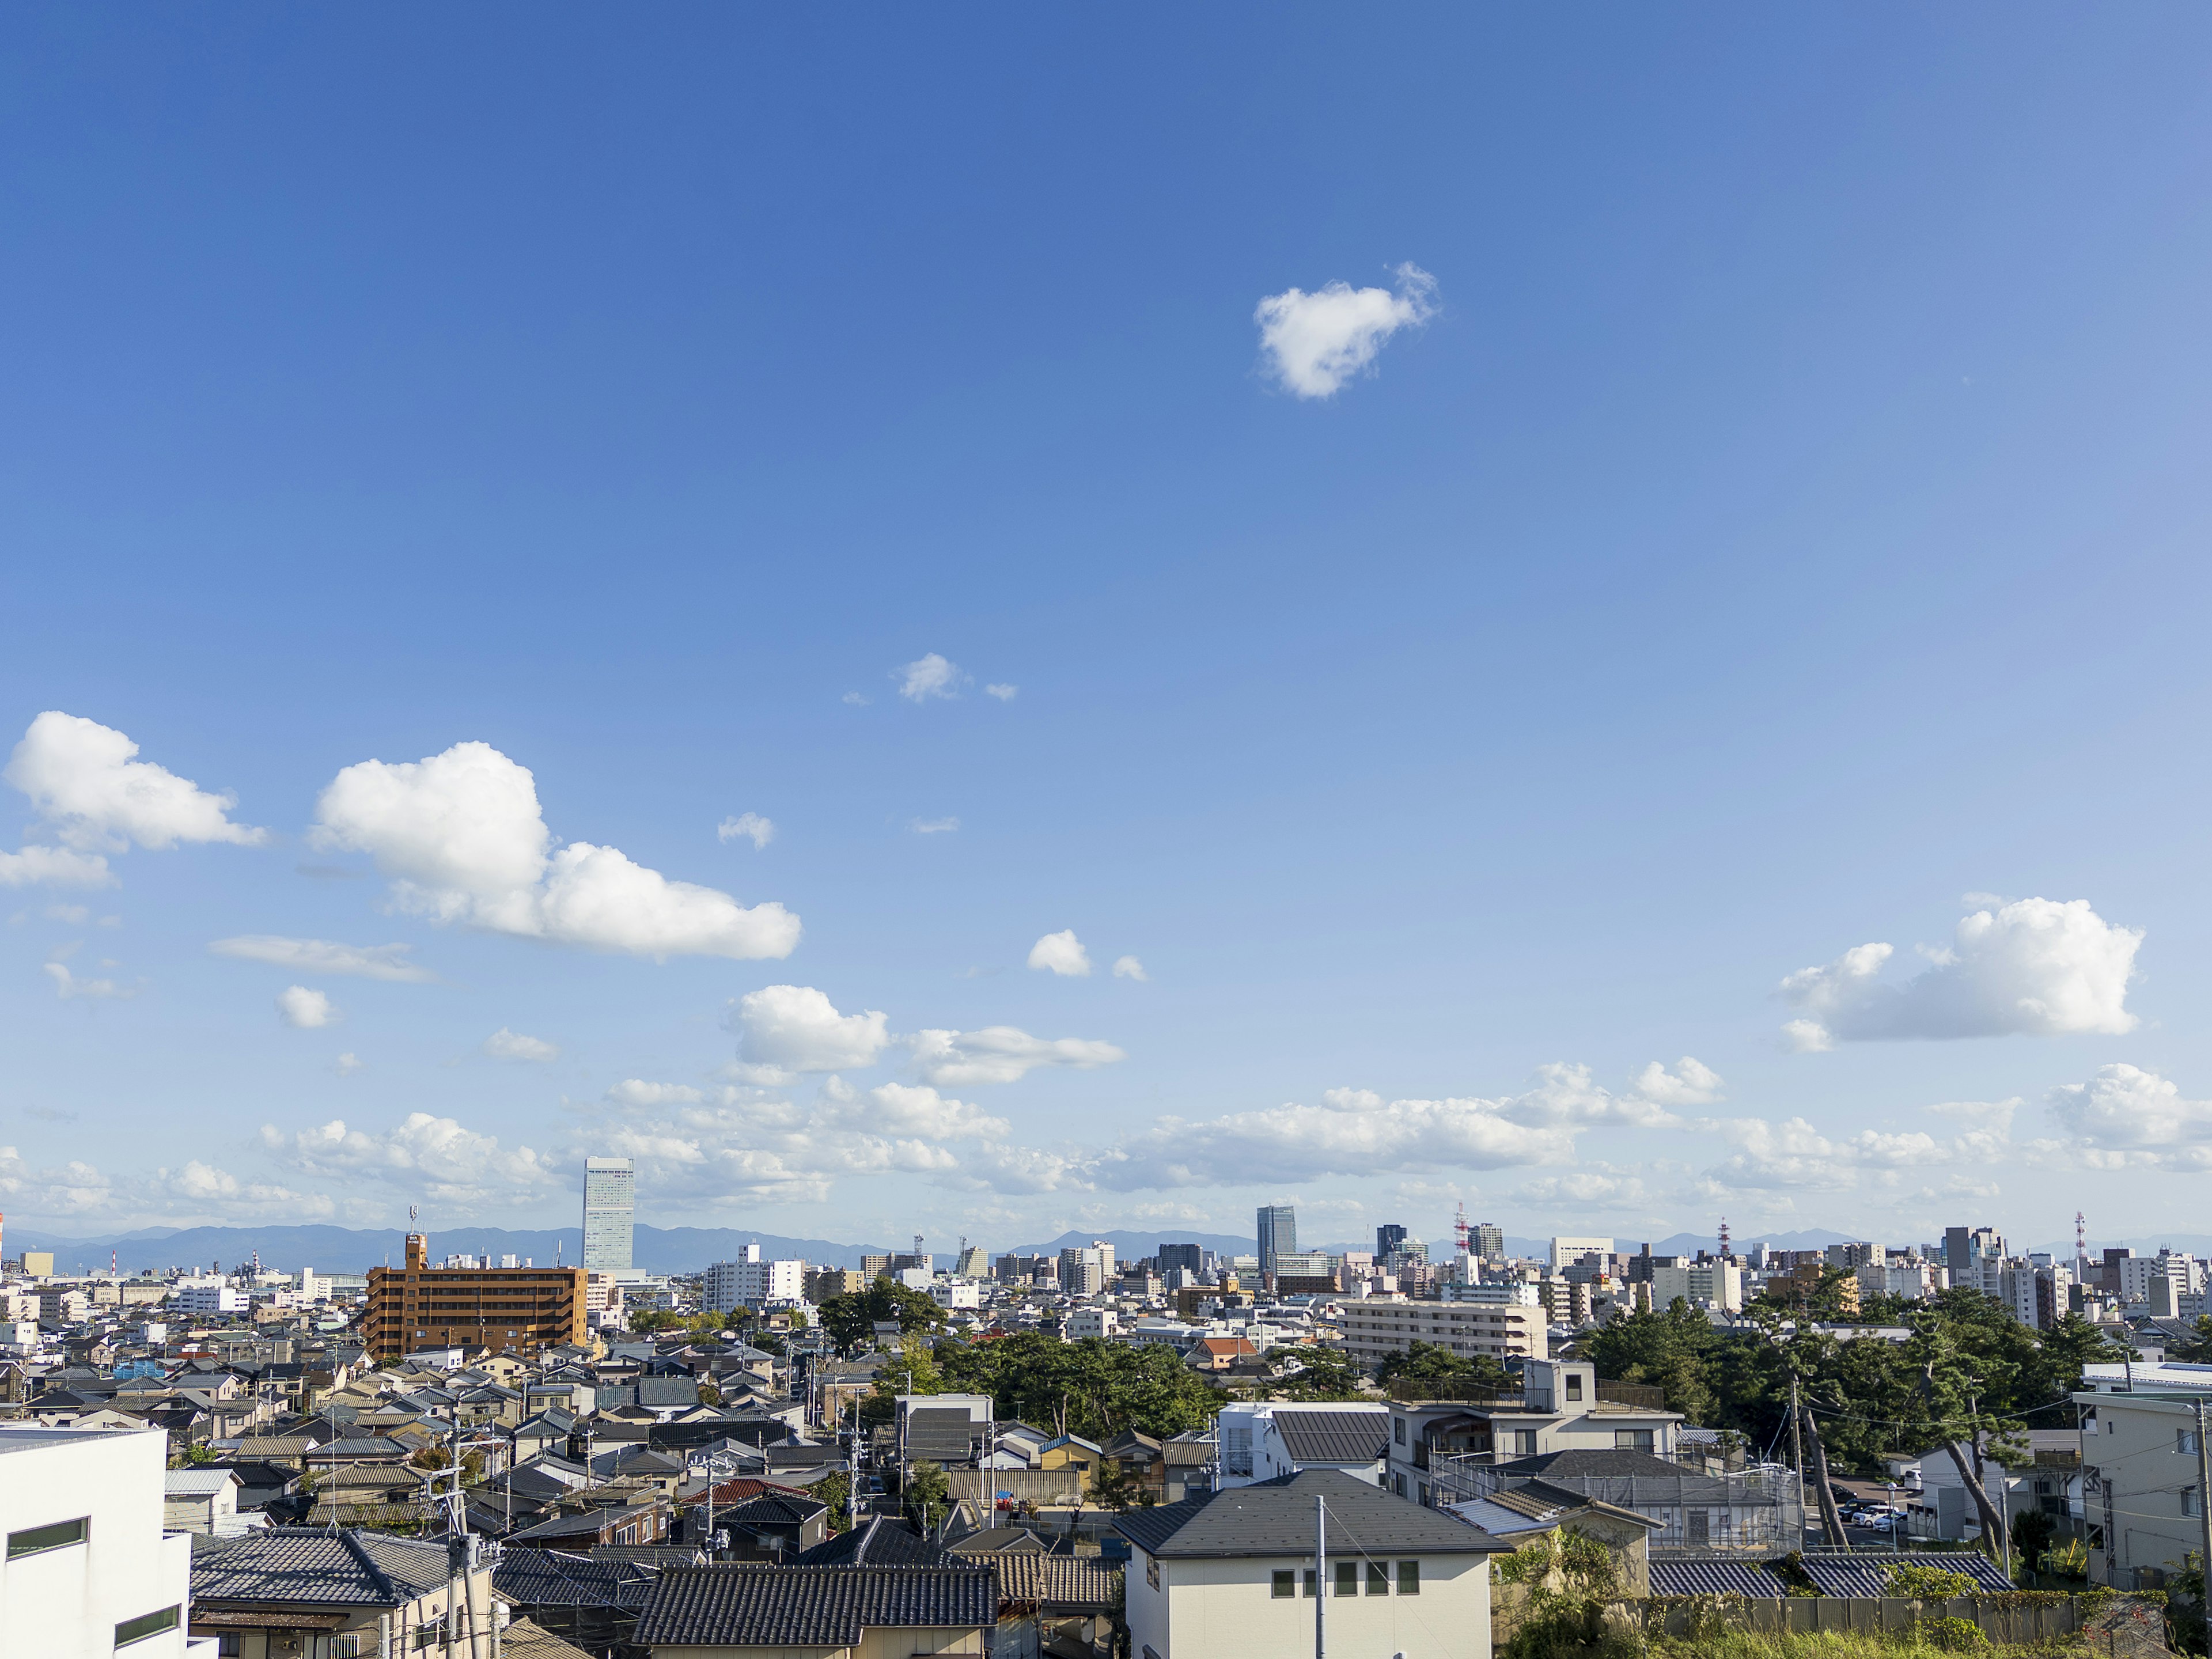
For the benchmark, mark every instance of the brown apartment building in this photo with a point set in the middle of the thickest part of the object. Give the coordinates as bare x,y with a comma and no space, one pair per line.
419,1306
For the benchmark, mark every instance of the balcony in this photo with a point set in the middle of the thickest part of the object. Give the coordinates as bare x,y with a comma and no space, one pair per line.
1630,1396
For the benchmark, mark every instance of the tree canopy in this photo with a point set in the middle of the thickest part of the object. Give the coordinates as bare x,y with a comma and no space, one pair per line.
1090,1387
851,1320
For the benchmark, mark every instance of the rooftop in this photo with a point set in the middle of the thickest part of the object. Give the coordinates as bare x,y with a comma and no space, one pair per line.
1276,1517
728,1605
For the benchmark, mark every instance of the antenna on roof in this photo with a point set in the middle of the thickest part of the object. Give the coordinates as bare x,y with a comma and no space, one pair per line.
2081,1238
1724,1239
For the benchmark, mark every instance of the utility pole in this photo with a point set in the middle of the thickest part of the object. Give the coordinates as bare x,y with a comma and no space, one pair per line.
1321,1576
1797,1453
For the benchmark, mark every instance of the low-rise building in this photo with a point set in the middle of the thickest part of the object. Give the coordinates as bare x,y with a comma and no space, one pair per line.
1233,1574
348,1591
723,1611
90,1570
1374,1330
2142,1486
1264,1439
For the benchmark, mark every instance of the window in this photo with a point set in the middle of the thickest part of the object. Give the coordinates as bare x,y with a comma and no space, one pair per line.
145,1625
37,1540
1347,1578
1574,1386
1398,1482
1285,1586
1398,1430
1309,1583
1632,1440
229,1645
1524,1443
1378,1577
1409,1578
2188,1503
2185,1441
1699,1528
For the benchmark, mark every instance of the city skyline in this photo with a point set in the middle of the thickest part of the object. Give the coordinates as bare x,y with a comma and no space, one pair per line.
1573,637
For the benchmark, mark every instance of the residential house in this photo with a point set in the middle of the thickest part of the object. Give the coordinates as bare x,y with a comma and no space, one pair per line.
193,1500
772,1525
1072,1451
1261,1440
90,1568
1757,1508
1052,1604
1561,1405
2142,1487
1519,1514
644,1522
1232,1574
1220,1353
881,1541
349,1592
592,1600
725,1610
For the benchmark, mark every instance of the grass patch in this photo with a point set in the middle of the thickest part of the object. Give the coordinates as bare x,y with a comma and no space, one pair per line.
1739,1644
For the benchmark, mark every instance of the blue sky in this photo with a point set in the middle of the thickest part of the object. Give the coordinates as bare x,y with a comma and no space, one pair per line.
1769,523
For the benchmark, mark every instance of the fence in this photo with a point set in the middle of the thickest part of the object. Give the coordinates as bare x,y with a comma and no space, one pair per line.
1046,1488
1759,1510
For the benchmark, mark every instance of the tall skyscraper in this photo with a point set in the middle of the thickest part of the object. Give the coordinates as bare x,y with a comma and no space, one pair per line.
1278,1234
1488,1241
610,1210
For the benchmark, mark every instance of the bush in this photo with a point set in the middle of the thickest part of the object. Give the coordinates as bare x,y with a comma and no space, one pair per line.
1928,1583
1951,1635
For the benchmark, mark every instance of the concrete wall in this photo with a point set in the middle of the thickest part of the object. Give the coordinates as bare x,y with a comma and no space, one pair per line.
65,1603
1225,1609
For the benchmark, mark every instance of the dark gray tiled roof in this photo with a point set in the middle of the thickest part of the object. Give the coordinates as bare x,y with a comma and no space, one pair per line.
319,1567
557,1578
772,1508
1580,1465
727,1605
1071,1584
1869,1574
880,1540
1334,1437
1714,1578
1276,1517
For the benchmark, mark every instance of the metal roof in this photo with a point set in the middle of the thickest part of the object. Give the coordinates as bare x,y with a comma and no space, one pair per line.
1276,1517
1358,1436
729,1605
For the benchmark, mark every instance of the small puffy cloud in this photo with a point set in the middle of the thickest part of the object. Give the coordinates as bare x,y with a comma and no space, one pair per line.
748,826
932,826
504,1044
83,780
635,1092
1312,343
901,1109
68,987
305,1010
1690,1084
204,1184
424,1156
1003,693
350,1062
1001,1054
2035,966
1795,1154
58,866
2126,1115
461,838
929,676
1130,968
1060,953
787,1029
853,699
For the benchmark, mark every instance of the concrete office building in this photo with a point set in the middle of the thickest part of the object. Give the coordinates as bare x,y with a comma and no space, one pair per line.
521,1310
610,1211
1278,1234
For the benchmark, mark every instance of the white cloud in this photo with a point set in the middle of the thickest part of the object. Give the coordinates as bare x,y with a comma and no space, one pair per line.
1587,1189
1314,343
461,838
321,956
1001,1054
750,825
1003,693
350,1062
635,1092
1794,1154
2126,1115
929,676
789,1029
1129,967
305,1010
932,826
83,779
504,1044
1690,1084
68,987
57,865
855,700
425,1156
1060,953
900,1108
2035,966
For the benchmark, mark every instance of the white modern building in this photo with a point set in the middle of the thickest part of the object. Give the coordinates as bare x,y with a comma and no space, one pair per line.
750,1282
610,1212
1565,1252
2142,1470
1374,1329
1700,1283
90,1570
200,1301
1264,1439
1085,1322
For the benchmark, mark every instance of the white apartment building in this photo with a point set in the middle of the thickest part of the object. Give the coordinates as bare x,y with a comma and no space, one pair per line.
1565,1252
1084,1269
1701,1283
204,1301
2142,1486
1102,1322
1374,1329
1559,1409
89,1571
750,1282
955,1293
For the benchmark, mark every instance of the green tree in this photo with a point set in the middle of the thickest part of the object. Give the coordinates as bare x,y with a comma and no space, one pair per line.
1425,1362
850,1320
1306,1373
2197,1351
1091,1388
927,1495
837,1491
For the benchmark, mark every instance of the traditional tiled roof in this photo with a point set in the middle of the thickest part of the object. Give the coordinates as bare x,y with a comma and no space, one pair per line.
1334,1437
1869,1574
772,1508
561,1578
728,1605
997,1540
1276,1517
880,1540
319,1567
1058,1583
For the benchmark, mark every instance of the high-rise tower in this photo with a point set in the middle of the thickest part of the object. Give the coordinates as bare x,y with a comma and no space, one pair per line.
1278,1234
610,1211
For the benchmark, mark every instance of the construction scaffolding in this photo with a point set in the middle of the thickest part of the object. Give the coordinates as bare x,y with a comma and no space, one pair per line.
1749,1511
